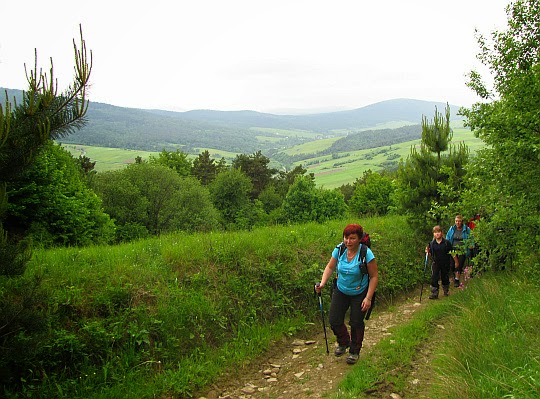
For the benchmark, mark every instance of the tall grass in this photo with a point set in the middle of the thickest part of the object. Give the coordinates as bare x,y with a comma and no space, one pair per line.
490,348
167,315
494,350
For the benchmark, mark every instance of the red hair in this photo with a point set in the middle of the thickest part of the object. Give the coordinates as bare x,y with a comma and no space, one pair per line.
353,229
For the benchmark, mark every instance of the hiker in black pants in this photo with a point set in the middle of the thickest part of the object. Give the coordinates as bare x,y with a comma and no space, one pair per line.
439,249
355,288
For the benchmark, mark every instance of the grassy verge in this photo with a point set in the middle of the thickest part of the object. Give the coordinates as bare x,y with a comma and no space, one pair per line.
494,350
491,348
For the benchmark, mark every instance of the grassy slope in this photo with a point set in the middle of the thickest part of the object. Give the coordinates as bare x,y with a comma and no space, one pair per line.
177,281
209,300
332,173
482,343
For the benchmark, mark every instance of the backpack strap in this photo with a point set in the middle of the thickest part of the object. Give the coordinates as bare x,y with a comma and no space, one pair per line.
363,263
341,249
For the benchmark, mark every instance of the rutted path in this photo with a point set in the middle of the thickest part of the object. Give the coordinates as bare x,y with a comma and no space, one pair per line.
300,368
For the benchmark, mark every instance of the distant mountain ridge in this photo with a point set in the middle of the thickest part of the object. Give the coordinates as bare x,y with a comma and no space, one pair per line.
236,131
407,110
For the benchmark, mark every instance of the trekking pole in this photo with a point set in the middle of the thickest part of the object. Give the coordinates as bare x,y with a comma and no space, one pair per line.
322,316
424,277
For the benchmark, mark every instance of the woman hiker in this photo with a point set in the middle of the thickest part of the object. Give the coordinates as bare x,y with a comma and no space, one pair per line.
354,289
457,235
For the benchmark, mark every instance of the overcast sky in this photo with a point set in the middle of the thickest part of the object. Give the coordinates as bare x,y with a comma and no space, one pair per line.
262,55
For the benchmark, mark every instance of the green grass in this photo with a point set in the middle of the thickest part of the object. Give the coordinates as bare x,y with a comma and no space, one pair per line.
379,126
107,158
218,154
281,133
116,158
494,348
332,173
165,316
311,147
490,347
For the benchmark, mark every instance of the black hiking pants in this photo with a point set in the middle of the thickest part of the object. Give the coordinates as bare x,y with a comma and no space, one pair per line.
338,308
461,263
439,272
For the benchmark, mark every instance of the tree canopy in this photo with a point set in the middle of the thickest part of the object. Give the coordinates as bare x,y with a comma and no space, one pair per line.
503,179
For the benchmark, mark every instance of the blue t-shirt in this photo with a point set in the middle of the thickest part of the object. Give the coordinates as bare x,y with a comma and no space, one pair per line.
350,281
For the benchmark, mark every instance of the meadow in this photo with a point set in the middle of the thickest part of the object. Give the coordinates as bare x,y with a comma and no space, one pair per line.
331,171
334,170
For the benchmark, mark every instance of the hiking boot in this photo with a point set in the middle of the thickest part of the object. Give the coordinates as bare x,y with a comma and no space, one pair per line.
434,293
340,350
445,290
456,283
352,358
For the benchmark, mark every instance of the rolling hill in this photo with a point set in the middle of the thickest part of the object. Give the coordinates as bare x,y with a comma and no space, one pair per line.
336,146
244,131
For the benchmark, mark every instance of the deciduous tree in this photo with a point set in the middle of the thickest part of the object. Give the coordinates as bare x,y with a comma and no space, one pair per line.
177,161
305,202
255,166
230,193
503,183
154,199
372,194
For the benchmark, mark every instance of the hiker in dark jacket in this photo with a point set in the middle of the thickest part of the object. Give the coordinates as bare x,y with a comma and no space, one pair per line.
354,290
439,249
457,235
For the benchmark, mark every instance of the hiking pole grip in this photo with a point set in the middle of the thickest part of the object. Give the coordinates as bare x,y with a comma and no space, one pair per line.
315,289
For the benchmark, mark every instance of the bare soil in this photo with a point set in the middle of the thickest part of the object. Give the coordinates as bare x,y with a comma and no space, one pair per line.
300,367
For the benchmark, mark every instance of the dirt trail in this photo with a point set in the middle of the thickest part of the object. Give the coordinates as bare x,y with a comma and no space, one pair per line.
300,368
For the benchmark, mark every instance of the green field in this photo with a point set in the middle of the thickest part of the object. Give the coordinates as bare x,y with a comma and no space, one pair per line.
107,158
311,147
281,133
117,158
330,171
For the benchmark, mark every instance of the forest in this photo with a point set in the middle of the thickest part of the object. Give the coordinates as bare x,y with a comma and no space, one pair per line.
60,217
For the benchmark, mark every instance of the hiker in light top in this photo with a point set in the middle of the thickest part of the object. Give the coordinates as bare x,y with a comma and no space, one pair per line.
457,234
354,290
439,250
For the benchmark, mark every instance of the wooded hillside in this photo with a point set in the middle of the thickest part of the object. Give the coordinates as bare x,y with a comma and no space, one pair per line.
249,131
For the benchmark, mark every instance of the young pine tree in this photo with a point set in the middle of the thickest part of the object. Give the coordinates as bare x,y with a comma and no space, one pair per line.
436,164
